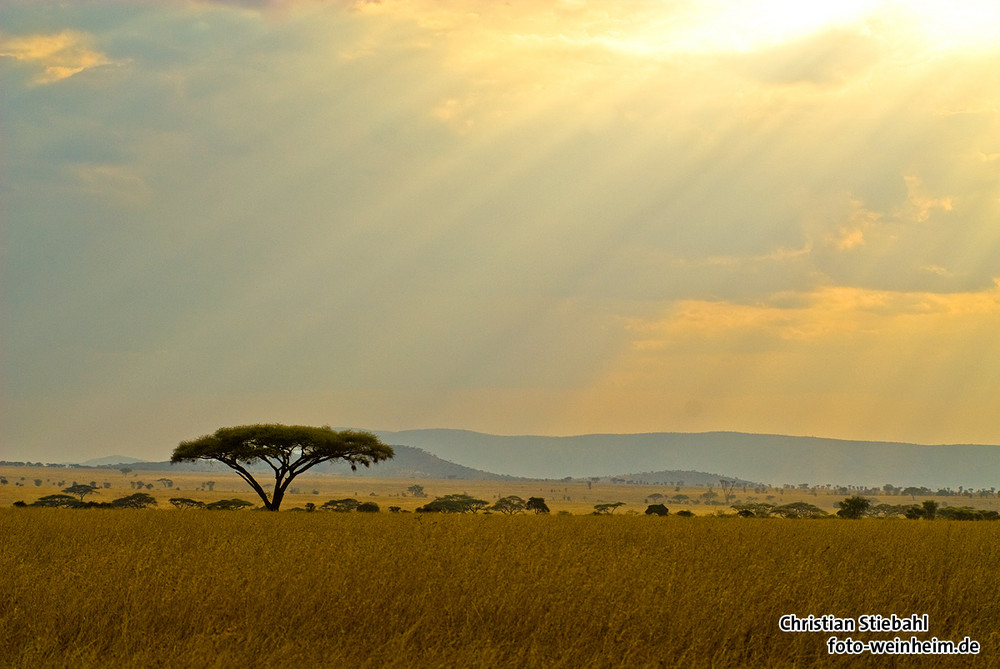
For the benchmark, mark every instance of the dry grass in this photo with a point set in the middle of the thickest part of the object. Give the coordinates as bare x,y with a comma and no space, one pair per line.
88,588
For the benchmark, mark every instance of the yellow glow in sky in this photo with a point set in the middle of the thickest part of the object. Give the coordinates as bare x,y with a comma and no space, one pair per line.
550,217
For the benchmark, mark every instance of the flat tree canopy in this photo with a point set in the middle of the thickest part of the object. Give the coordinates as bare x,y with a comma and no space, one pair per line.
288,450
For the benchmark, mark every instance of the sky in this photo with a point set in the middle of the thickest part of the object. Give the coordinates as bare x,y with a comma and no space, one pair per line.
534,217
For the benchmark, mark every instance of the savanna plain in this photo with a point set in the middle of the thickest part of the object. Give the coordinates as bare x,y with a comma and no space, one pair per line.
165,587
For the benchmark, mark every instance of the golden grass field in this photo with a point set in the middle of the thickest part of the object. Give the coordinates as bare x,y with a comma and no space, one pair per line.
150,588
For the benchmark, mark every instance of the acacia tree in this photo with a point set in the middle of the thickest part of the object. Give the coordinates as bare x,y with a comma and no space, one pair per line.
288,450
509,505
81,490
854,507
536,504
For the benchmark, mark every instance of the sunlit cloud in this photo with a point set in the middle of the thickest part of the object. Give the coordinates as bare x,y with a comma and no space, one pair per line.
60,55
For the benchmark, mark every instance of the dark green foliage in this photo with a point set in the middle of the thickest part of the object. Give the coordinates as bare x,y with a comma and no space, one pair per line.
185,503
537,505
657,510
59,501
685,513
456,503
81,490
966,513
368,507
753,509
889,510
854,507
798,510
139,500
288,450
509,505
341,505
930,508
229,505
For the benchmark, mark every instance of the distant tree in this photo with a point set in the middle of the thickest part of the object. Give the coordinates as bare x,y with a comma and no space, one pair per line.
417,490
288,450
657,510
607,508
912,491
685,513
59,501
854,507
889,510
930,508
185,503
38,482
536,505
798,510
81,490
753,509
139,500
341,505
395,509
368,507
167,483
229,505
959,513
125,470
509,505
727,489
455,503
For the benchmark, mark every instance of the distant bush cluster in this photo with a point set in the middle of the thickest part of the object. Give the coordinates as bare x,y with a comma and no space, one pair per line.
139,500
851,508
856,507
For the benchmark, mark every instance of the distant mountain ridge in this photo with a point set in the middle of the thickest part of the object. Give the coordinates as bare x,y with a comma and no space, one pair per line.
774,459
110,460
408,462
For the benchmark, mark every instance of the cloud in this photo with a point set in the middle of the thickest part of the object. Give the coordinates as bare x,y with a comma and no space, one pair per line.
59,55
922,205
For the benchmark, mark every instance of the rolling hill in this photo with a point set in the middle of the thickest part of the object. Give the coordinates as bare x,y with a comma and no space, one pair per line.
774,459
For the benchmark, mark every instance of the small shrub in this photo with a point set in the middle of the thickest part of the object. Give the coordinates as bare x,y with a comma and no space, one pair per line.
657,510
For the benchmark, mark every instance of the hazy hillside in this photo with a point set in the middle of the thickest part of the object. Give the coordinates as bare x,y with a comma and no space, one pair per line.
772,459
678,477
110,460
409,462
